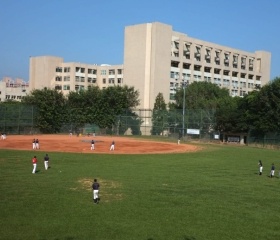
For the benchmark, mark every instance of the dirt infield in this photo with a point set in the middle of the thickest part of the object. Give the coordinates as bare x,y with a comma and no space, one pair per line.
65,143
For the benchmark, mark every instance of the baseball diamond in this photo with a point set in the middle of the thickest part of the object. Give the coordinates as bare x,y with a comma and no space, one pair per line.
64,143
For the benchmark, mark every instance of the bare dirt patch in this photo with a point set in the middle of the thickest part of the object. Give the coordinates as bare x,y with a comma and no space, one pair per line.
106,188
65,143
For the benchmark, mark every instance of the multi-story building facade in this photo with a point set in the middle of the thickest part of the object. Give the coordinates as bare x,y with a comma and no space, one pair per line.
53,72
158,59
13,89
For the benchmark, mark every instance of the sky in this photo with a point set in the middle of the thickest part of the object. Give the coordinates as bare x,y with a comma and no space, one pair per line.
92,32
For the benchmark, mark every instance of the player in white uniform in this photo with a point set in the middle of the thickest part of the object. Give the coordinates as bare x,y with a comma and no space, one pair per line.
92,145
34,144
112,148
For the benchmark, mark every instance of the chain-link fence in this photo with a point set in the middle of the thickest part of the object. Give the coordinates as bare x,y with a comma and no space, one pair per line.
194,124
17,119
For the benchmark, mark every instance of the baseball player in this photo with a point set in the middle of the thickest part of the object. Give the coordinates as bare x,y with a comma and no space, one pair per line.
261,167
37,146
95,188
46,161
34,162
34,144
92,145
112,148
272,170
3,136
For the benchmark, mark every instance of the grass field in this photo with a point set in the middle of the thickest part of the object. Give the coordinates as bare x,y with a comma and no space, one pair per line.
208,195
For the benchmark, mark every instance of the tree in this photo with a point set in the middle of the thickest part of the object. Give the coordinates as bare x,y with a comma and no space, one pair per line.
201,101
159,117
101,107
50,109
200,95
263,108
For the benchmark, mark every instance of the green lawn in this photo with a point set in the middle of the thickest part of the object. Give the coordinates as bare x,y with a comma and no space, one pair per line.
209,195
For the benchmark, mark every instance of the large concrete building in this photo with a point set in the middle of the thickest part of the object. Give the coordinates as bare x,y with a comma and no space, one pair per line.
158,59
13,89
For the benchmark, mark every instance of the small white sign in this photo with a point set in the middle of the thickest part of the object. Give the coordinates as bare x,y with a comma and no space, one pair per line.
193,131
216,136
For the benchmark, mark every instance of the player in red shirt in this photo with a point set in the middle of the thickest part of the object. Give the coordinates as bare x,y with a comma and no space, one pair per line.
34,162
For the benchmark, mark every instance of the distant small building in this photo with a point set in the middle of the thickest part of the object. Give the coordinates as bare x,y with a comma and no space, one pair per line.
13,89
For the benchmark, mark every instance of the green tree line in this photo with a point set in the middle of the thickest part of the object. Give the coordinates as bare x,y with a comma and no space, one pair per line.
93,106
258,112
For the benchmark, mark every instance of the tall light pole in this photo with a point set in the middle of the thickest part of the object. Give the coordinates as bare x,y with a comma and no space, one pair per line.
184,105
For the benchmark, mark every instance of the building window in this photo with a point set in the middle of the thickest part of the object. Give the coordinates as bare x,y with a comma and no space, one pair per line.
91,71
174,64
235,61
251,64
58,87
187,51
197,54
103,72
226,82
66,78
111,80
79,87
243,63
208,55
111,72
67,69
217,71
82,79
120,71
119,80
196,67
207,69
226,60
217,57
235,74
66,87
251,76
58,69
104,80
172,96
186,66
243,75
80,70
226,73
58,79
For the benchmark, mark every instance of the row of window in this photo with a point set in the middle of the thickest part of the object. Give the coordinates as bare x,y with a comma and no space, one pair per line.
89,80
197,67
14,97
89,70
209,54
225,83
185,76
